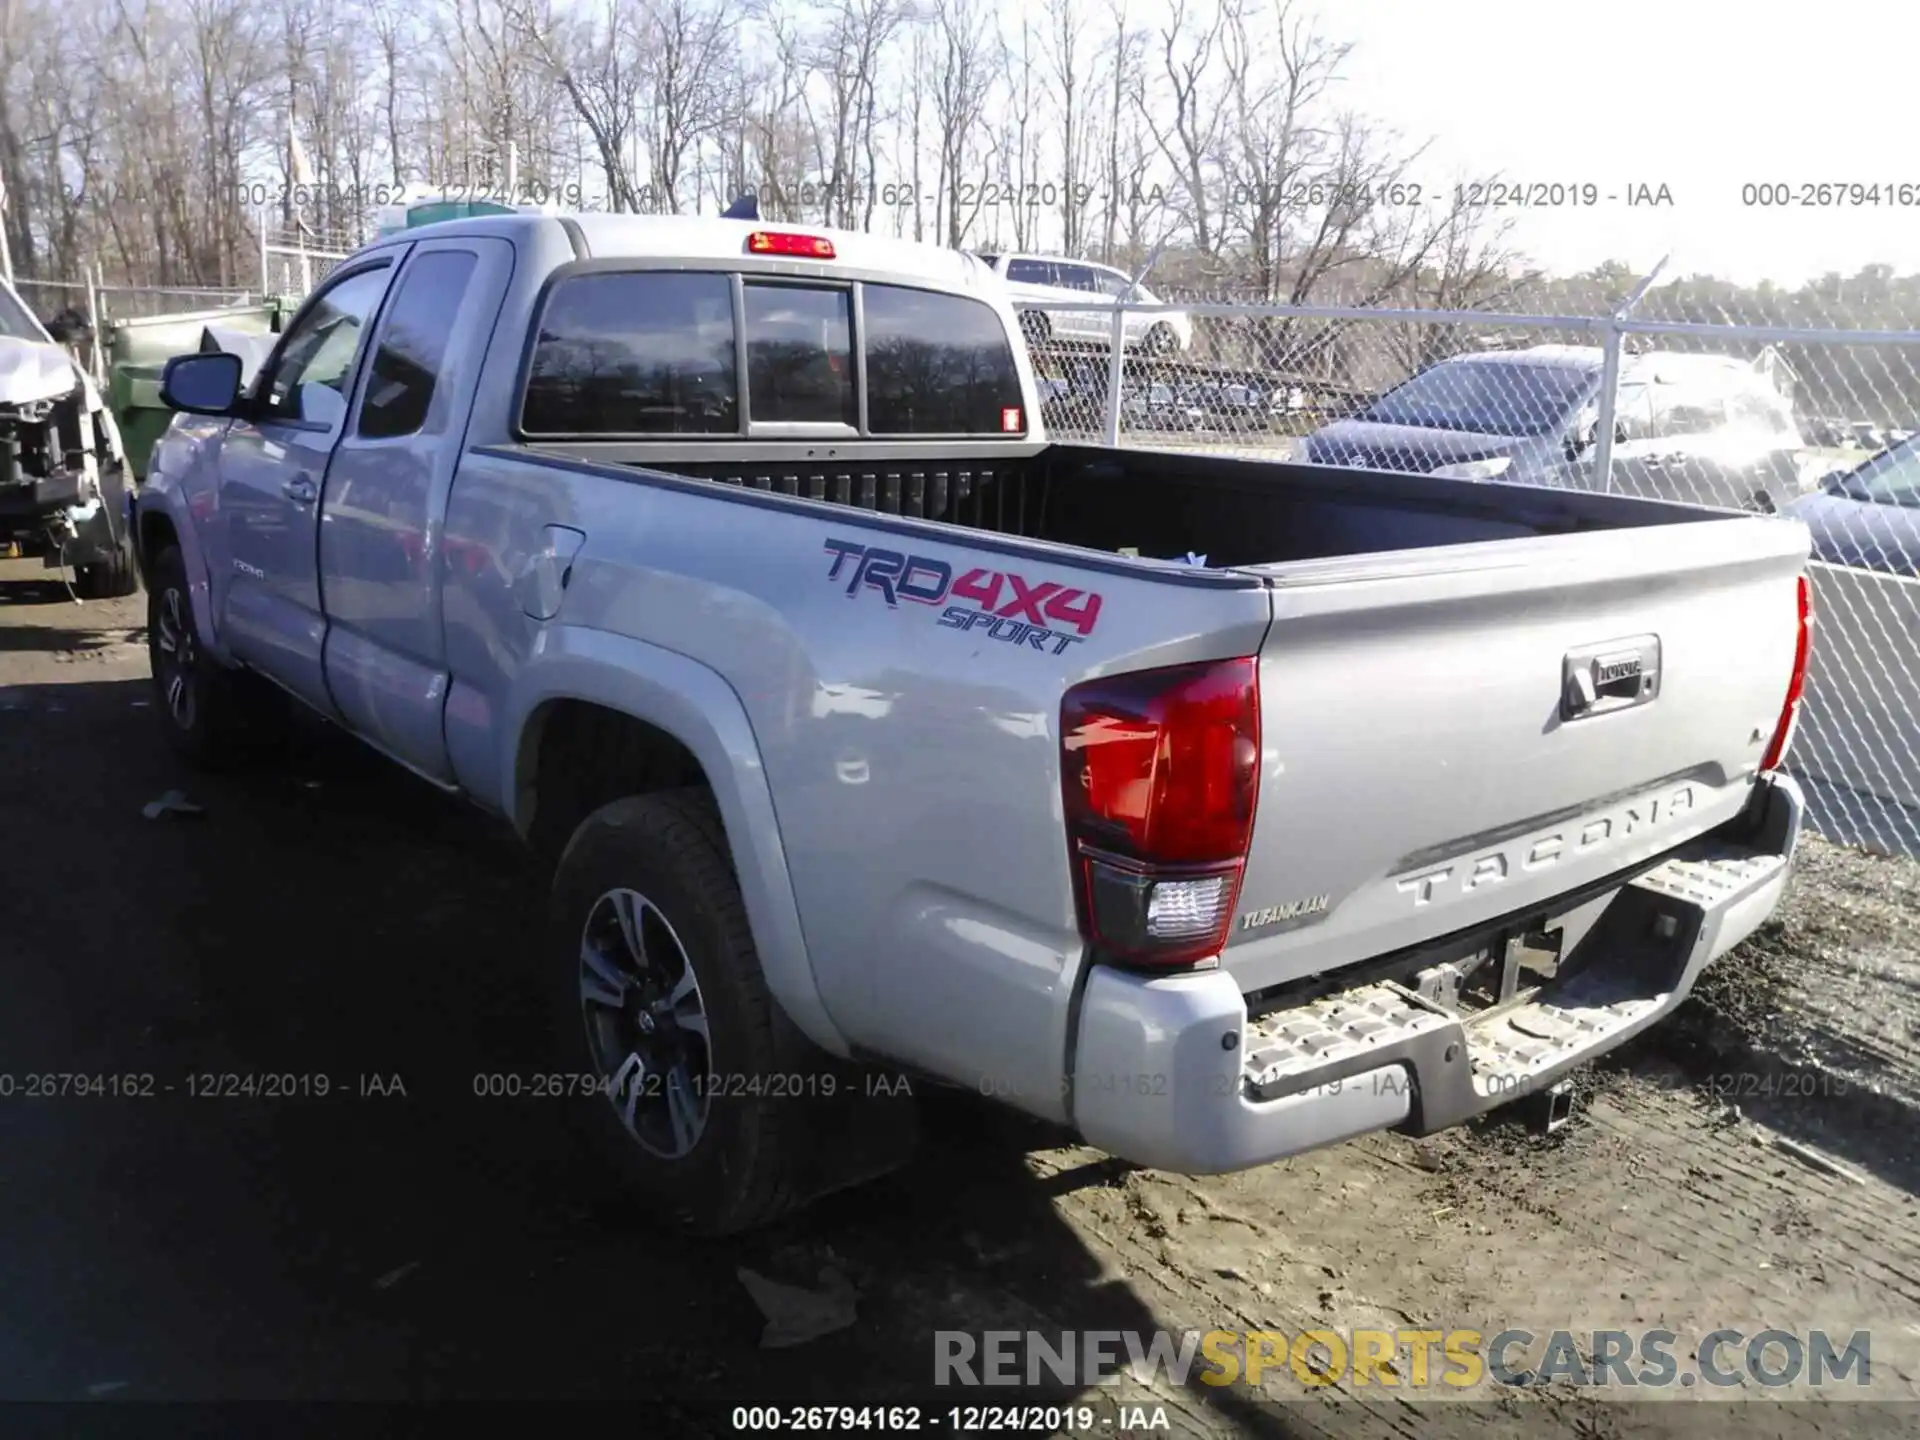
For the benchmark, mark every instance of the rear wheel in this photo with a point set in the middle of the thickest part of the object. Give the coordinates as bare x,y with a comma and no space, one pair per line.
692,1083
1161,340
1036,327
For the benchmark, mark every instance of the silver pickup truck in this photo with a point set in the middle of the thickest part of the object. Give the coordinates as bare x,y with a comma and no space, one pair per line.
1213,808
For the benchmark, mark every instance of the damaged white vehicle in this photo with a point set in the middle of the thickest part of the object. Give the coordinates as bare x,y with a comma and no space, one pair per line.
63,471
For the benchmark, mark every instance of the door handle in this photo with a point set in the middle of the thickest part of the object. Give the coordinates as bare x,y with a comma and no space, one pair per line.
1598,679
299,490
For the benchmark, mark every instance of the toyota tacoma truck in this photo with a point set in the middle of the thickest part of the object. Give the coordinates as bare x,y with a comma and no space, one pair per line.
64,484
1211,808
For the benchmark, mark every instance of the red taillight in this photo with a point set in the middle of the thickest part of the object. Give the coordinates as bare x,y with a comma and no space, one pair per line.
1159,771
1790,711
783,242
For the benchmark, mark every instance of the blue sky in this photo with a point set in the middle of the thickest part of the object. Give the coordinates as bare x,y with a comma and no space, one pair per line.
1701,95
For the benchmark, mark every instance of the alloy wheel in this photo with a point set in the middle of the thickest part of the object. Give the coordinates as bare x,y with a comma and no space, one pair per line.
646,1023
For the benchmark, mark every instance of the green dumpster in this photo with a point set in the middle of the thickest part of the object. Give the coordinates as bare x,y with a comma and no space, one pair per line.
133,395
137,352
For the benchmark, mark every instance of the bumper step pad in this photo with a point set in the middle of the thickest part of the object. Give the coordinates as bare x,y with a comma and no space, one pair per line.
1509,1052
1289,1044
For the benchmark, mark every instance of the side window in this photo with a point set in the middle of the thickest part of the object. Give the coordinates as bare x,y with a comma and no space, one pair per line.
1765,411
937,365
1108,283
635,352
1750,411
1893,479
310,379
1035,272
1633,412
1687,411
1079,277
799,355
412,345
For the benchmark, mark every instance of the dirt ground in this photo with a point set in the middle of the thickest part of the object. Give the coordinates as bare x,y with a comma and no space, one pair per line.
1752,1164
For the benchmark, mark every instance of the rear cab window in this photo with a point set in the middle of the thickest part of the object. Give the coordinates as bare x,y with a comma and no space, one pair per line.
634,353
641,354
937,365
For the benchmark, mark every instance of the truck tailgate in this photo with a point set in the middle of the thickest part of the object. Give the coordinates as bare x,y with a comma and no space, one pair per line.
1432,763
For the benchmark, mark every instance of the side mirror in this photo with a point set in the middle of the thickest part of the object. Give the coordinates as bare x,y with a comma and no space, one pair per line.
201,384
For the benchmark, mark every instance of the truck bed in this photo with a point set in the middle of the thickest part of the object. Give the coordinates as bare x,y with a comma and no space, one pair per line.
1167,504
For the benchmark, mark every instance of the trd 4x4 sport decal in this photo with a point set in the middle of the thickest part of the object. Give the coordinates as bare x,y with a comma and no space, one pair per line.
1045,614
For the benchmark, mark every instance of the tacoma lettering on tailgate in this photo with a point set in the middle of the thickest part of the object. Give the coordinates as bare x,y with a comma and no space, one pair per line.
1465,876
1045,615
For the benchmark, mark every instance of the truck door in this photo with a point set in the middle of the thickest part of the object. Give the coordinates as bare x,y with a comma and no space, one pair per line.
381,527
272,466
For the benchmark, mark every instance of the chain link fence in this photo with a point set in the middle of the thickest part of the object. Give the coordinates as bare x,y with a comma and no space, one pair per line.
106,303
294,271
294,260
1649,399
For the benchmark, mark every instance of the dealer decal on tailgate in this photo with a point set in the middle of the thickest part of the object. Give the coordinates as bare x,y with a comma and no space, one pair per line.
1045,615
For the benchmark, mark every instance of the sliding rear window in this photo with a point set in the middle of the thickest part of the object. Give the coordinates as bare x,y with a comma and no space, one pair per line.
800,355
653,353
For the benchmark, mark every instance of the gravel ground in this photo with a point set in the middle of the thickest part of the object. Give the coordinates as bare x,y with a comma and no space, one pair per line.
1750,1164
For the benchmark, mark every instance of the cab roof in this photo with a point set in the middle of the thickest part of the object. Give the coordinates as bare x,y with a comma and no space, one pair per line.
649,237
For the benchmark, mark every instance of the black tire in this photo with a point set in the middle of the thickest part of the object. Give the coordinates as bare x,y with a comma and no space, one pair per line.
110,579
219,716
744,1168
1035,325
118,575
1161,341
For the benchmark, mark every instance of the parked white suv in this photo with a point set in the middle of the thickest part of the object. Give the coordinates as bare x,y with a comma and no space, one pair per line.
1038,283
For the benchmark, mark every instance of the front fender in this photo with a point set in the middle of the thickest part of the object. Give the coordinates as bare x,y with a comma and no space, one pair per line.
694,704
158,496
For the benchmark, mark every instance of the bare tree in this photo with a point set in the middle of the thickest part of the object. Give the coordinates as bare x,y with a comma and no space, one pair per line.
390,34
1274,159
595,57
1019,165
1123,60
845,54
912,140
684,49
1471,266
145,136
962,81
1066,61
1187,137
778,140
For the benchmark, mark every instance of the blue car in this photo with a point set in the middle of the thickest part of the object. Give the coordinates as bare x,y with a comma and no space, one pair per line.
1869,516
